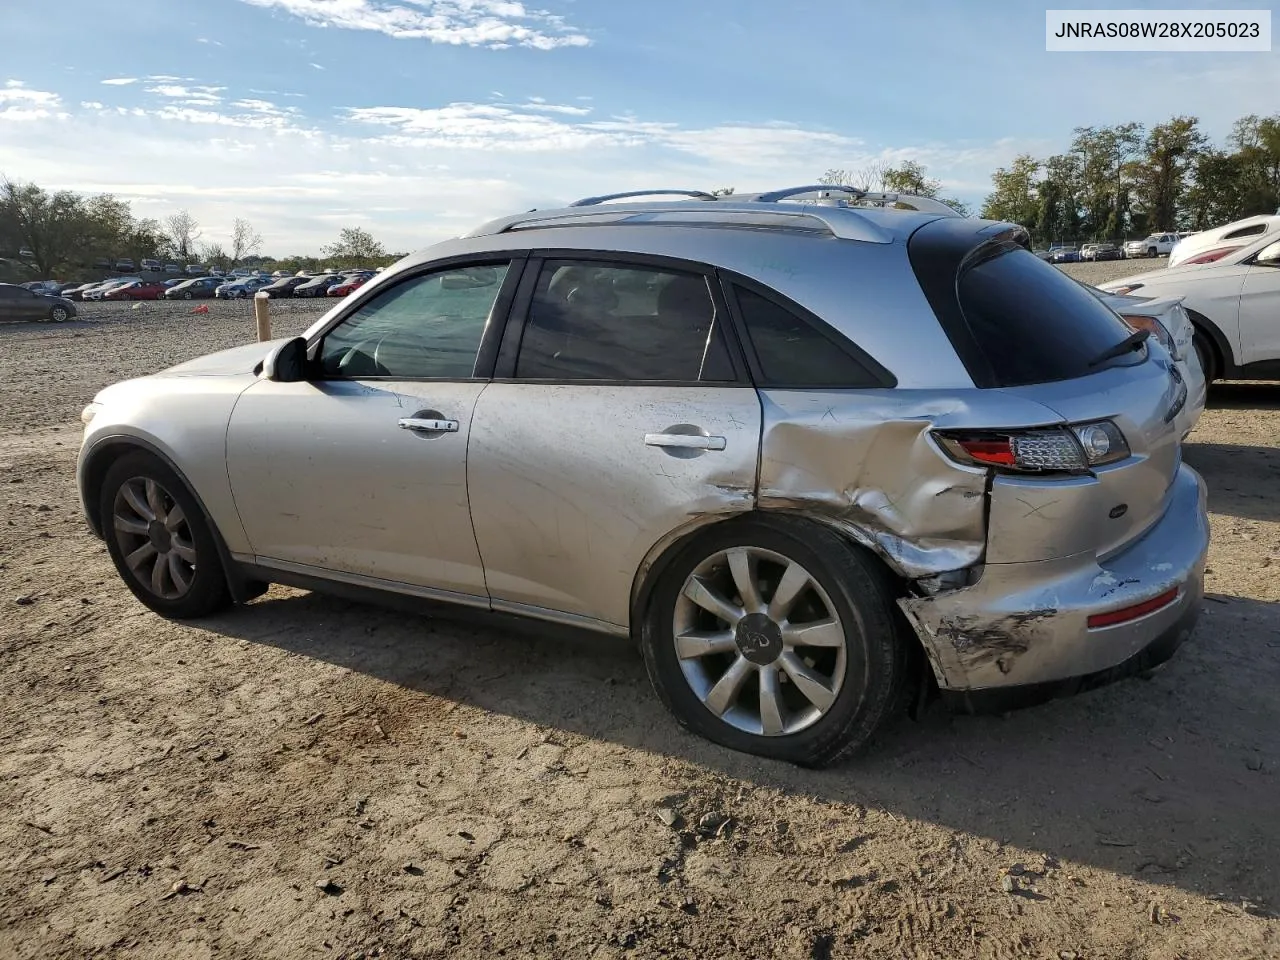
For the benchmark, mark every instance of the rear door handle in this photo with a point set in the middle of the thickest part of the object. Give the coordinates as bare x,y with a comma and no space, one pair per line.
428,425
687,441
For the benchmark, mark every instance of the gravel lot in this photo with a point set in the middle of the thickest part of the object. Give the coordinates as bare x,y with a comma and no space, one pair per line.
306,777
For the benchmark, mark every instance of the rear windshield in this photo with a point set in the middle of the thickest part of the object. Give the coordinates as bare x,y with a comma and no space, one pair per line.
1034,323
1012,318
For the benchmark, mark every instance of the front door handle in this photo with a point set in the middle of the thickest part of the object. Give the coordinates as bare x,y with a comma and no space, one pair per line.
684,440
428,425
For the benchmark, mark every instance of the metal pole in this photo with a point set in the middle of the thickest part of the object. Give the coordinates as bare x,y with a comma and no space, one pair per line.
262,313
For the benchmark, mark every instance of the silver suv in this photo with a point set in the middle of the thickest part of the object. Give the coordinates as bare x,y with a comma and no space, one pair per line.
812,456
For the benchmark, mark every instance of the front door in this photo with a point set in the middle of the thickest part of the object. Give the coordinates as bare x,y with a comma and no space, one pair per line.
1260,308
361,472
623,418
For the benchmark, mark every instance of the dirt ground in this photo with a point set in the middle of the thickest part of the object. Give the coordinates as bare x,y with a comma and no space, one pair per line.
306,777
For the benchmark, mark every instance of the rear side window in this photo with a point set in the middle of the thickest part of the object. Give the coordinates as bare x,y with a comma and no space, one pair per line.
591,320
1256,230
793,352
1032,322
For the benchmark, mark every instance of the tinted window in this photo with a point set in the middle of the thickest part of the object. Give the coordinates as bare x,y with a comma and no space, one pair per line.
430,326
11,293
792,351
1253,231
594,321
1034,323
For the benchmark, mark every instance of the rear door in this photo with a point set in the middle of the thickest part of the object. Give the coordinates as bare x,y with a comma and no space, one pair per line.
621,413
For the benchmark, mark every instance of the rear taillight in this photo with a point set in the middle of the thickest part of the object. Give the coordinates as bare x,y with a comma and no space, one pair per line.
1137,321
1073,449
1210,256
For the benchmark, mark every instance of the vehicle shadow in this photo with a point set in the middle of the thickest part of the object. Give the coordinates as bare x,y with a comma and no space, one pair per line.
1244,395
1242,479
1170,780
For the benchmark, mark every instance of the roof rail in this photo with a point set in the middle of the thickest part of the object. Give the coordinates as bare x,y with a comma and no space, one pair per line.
843,223
593,201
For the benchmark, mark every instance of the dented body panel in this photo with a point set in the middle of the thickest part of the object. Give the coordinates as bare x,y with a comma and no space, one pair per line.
864,461
1027,623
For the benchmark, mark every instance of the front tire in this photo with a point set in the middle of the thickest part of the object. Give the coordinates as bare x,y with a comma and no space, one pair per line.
774,636
159,539
1208,361
1151,252
59,314
186,295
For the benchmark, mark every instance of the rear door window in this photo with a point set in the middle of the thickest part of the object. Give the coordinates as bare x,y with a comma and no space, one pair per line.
599,320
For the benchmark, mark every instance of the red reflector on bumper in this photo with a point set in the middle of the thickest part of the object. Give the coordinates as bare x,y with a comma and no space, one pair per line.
1125,614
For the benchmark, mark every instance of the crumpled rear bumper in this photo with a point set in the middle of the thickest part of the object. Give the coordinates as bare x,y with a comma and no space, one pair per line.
1026,624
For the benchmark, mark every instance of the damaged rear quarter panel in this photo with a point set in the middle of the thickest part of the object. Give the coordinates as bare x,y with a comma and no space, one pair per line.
863,460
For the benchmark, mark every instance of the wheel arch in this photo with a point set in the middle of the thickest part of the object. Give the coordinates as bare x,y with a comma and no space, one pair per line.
664,552
1223,355
93,472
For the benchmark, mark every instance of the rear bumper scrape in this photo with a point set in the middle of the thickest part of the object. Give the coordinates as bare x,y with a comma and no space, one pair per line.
1027,623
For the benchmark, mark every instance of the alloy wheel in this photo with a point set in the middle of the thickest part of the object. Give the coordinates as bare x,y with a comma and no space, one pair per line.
155,538
759,641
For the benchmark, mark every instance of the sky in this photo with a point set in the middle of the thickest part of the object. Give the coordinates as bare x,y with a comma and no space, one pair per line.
419,119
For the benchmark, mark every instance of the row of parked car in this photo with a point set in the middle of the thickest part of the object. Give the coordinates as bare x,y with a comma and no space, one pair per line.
229,287
1156,245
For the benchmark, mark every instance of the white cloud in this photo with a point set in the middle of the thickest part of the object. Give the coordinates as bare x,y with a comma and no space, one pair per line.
197,94
317,66
119,81
473,23
425,173
216,43
19,103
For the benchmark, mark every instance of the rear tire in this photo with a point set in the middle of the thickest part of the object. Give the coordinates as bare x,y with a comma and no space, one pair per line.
159,539
820,702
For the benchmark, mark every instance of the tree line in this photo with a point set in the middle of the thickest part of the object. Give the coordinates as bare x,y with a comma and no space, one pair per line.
53,232
1129,181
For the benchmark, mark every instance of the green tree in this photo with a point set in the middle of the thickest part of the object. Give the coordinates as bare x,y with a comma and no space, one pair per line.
1015,196
1257,144
1214,195
1103,156
52,226
1059,199
1160,176
355,246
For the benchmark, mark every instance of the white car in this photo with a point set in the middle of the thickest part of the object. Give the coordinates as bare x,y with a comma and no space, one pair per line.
1234,304
1156,245
1210,246
1167,321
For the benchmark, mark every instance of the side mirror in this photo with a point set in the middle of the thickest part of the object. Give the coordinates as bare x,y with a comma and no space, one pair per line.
1269,256
287,363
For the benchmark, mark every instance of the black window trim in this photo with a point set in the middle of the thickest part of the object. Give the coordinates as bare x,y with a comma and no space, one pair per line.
508,353
494,329
880,375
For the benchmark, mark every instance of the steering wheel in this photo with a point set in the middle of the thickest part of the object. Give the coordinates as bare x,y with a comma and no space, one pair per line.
362,361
